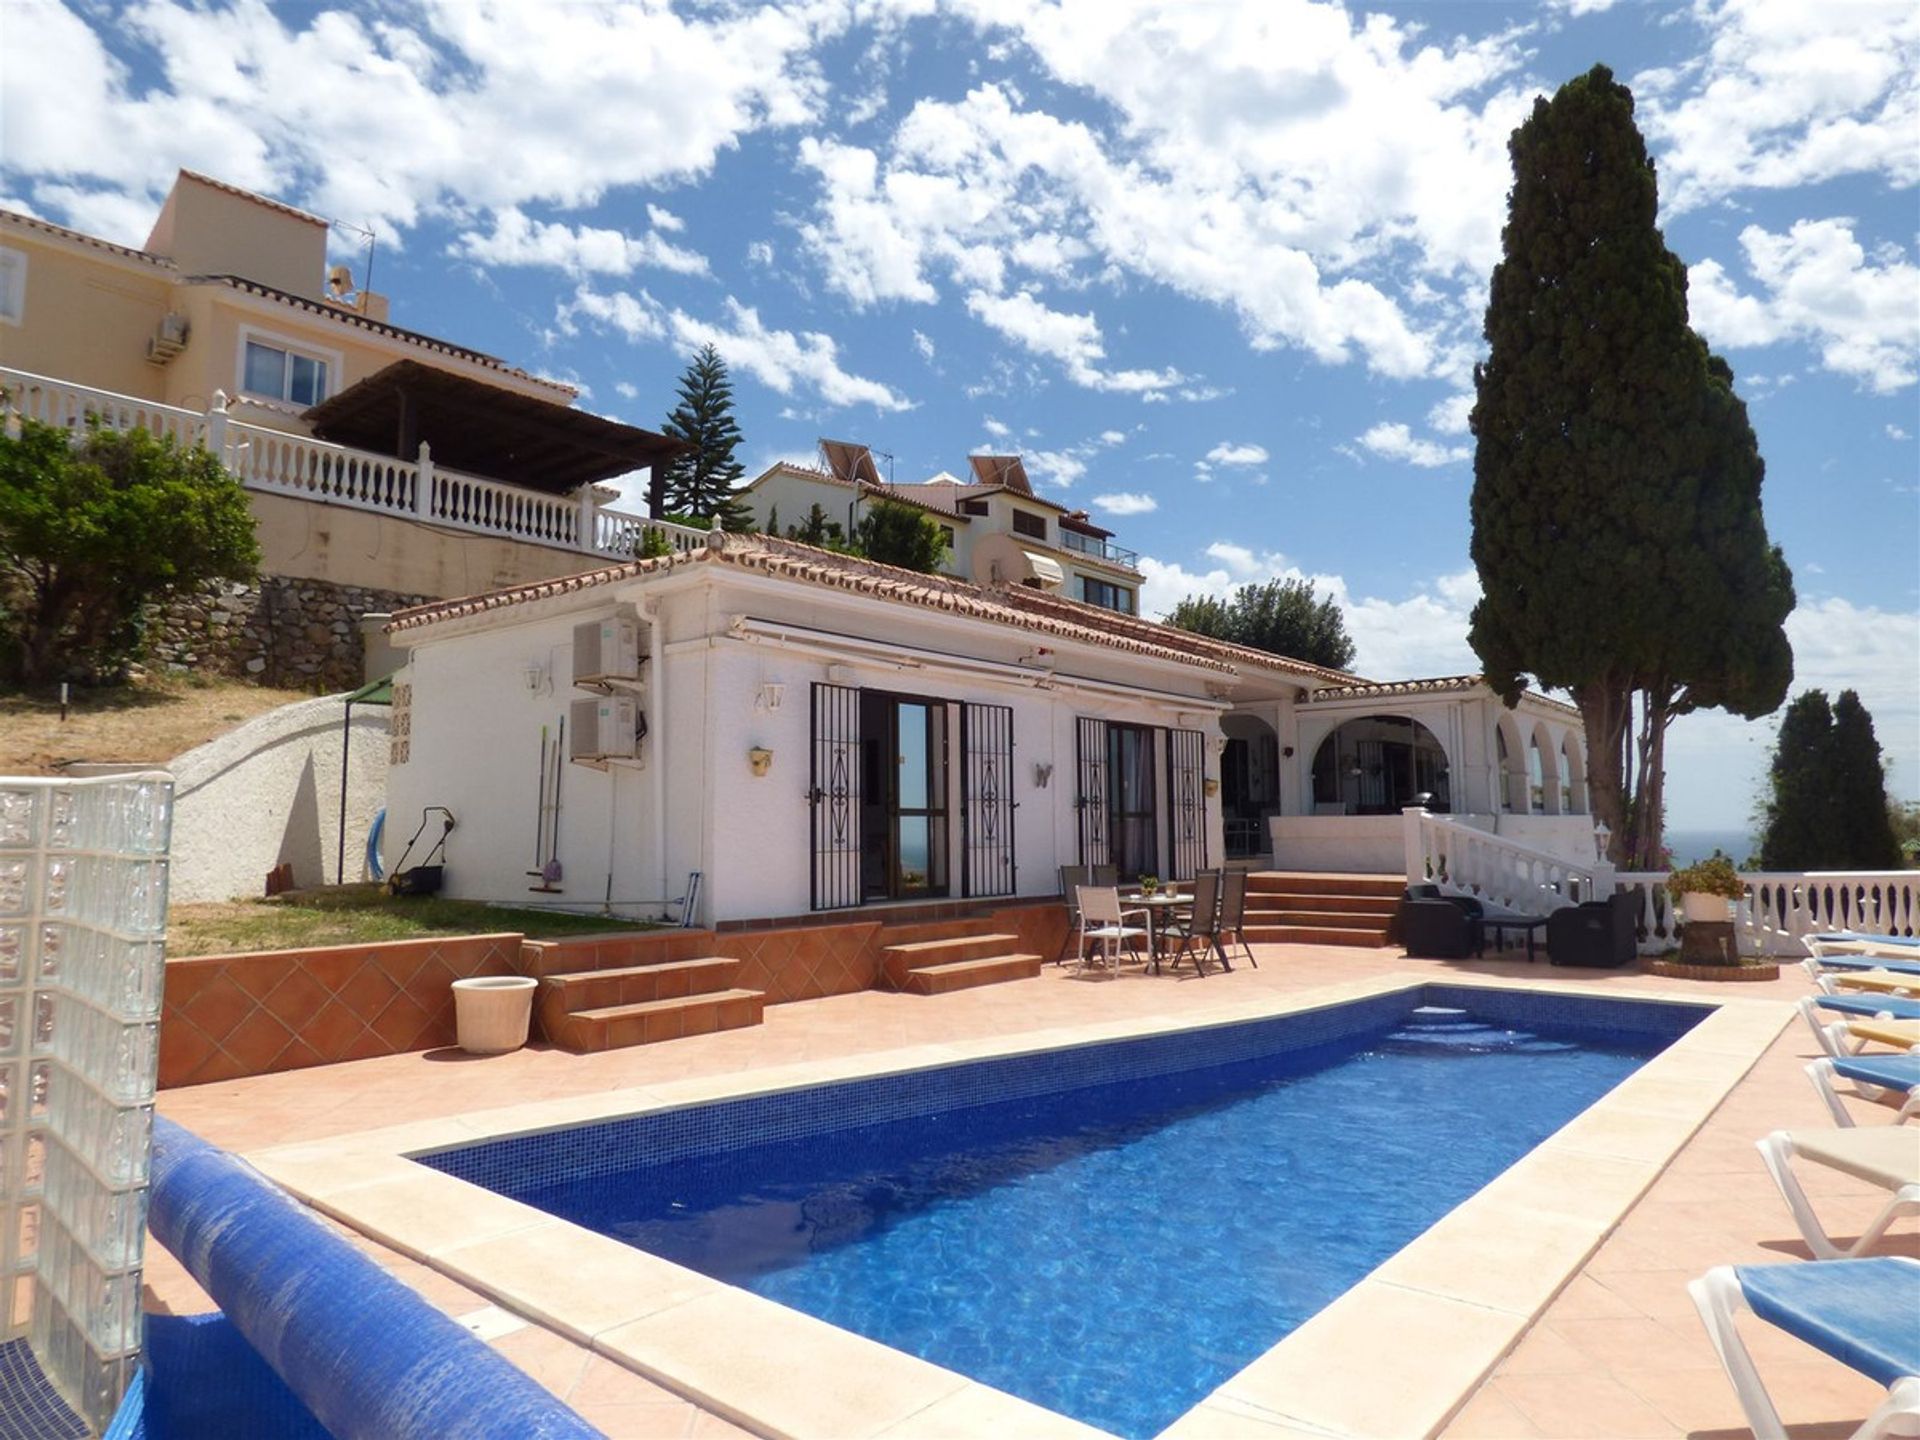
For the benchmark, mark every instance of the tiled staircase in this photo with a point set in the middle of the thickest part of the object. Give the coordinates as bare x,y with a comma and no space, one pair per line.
934,958
615,1005
1302,908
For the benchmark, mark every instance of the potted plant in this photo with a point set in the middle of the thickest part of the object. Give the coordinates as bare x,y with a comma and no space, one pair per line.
1706,891
1149,884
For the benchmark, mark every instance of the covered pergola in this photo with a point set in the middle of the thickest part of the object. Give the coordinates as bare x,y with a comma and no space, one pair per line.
485,430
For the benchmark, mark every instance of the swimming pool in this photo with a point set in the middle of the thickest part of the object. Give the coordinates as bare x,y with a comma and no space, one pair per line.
1110,1231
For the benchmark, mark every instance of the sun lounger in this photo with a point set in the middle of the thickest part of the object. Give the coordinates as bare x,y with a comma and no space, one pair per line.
1887,981
1860,1312
1894,1007
1899,1034
1886,1156
1892,944
1899,965
1835,1032
1887,1079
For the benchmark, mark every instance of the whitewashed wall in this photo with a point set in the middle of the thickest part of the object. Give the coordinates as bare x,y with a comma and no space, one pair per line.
697,805
475,748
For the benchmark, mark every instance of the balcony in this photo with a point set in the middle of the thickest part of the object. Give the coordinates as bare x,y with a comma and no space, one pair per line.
277,462
1099,549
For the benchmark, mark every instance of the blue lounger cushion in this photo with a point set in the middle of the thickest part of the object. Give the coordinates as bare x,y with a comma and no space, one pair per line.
1840,937
1897,1006
1861,1312
1889,1072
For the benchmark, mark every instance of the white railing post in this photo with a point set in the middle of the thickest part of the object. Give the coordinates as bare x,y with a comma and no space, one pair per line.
1411,817
217,427
1605,880
423,482
589,538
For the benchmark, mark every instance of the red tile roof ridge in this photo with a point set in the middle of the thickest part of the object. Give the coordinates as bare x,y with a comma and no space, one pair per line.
66,232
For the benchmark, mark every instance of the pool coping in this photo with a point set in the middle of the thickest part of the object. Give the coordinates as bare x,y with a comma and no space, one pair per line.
1436,1316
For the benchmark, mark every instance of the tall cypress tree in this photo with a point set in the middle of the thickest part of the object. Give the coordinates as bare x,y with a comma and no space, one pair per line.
1616,504
1795,835
701,481
1863,837
1827,791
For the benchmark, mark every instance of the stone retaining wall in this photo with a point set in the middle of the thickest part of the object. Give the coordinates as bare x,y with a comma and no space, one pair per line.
299,634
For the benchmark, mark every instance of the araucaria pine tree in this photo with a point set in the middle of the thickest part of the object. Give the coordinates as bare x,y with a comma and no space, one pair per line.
1617,526
701,481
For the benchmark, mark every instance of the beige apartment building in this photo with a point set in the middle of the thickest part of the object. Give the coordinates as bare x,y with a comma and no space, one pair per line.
998,530
383,466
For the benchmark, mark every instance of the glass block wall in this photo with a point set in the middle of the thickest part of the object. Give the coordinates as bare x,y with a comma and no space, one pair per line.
83,904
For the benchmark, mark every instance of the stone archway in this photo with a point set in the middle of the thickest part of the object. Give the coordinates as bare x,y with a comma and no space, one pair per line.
1378,765
1573,775
1510,788
1249,783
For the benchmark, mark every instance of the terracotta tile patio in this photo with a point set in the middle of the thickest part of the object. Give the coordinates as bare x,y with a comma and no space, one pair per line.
1619,1352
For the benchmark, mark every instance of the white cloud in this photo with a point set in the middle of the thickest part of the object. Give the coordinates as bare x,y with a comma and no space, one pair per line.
1228,453
1073,340
1126,502
1395,441
1424,634
1787,94
518,240
665,220
1057,467
1894,432
1265,159
994,428
1451,415
1113,437
1717,762
924,344
626,390
779,359
411,109
1818,284
760,253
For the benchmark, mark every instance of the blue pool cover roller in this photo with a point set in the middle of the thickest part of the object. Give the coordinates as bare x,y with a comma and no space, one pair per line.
365,1354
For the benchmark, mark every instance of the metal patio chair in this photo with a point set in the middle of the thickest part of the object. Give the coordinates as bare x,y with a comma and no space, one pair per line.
1104,919
1233,913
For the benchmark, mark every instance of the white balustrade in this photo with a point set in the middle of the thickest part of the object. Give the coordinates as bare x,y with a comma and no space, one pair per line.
1780,907
280,462
1496,869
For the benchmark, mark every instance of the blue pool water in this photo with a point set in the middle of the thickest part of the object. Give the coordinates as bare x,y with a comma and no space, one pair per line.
1118,1250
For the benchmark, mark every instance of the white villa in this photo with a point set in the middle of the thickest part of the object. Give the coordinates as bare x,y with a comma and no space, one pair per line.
813,733
999,531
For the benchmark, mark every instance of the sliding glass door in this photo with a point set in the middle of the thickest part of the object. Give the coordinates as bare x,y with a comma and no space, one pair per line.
904,795
1132,817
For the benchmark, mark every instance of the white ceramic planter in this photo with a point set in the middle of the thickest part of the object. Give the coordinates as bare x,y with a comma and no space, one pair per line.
491,1013
1706,909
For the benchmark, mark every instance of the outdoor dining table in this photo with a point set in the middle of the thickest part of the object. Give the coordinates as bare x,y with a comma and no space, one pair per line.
1158,905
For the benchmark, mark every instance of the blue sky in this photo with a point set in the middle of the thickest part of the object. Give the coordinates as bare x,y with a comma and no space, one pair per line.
1216,269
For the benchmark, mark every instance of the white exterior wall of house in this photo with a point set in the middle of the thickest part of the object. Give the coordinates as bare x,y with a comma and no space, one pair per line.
696,803
474,747
1466,725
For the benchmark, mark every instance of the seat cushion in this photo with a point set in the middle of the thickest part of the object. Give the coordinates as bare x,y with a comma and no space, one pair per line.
1861,1312
1883,1155
1889,1072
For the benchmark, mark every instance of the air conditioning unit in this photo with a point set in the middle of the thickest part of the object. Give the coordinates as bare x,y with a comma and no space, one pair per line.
604,729
169,341
606,649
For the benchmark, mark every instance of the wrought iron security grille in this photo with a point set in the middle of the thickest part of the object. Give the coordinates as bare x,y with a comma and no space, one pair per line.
1096,845
1187,802
834,793
987,803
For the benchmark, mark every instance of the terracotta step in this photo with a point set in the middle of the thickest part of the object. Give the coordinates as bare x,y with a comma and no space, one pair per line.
623,951
1324,919
965,974
630,985
902,961
615,1027
1262,882
1313,935
891,935
1312,900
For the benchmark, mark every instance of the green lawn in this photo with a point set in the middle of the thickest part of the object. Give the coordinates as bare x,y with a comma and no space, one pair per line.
359,915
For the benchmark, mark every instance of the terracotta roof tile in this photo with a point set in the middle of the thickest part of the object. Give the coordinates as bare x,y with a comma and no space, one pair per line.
34,222
791,560
1438,685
